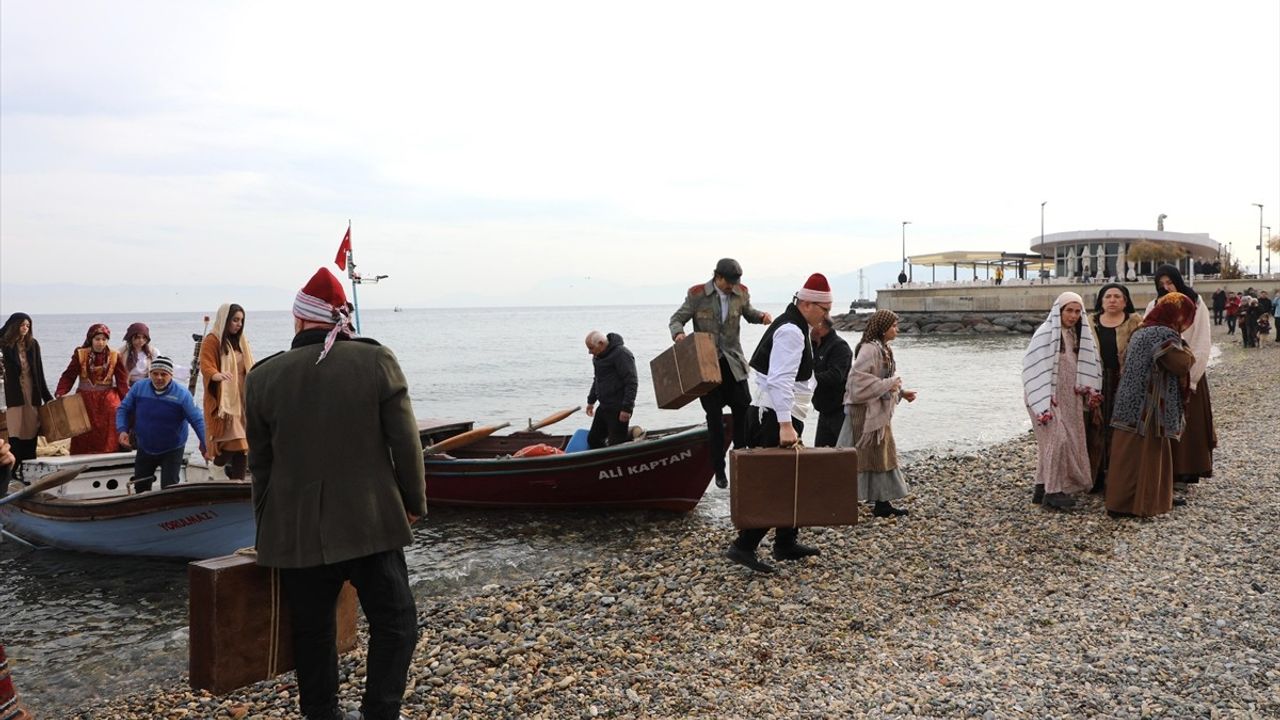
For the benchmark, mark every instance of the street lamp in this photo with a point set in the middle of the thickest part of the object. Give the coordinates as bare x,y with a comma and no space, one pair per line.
905,223
1267,235
1259,238
1042,224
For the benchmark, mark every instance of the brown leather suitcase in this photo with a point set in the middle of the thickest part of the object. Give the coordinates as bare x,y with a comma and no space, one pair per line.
789,487
685,371
239,623
64,418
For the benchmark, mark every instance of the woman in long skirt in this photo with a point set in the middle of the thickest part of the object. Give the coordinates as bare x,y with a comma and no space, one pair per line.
872,391
1148,414
1114,320
225,359
137,352
1061,378
1193,453
103,383
25,389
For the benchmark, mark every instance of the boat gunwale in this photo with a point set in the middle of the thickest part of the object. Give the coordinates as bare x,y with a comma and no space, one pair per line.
687,436
192,495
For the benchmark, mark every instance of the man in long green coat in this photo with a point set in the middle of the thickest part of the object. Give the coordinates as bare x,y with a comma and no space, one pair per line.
718,307
338,480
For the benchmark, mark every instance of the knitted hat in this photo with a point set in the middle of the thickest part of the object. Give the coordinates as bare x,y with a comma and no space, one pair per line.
323,300
162,363
816,289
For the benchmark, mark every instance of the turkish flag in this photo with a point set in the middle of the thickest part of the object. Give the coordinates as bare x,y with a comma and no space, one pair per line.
343,249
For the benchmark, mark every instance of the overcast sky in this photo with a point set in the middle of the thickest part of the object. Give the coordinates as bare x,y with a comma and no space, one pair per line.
529,153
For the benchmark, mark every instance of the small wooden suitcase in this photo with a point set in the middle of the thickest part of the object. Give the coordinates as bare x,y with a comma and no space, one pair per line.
685,371
239,623
64,418
793,487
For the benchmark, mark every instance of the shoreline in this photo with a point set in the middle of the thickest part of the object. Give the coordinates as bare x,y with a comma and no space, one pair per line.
977,604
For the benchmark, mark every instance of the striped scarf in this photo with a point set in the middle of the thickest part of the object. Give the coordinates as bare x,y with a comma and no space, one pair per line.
1040,363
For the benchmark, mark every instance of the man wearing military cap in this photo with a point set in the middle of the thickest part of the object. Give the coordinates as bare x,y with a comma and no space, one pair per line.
717,307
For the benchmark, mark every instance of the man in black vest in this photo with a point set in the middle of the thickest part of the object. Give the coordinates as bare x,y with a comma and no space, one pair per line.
784,365
832,359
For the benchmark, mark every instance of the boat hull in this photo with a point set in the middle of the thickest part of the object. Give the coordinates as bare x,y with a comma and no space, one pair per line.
668,473
200,520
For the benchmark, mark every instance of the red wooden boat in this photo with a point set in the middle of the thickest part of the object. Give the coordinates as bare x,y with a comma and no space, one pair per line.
666,470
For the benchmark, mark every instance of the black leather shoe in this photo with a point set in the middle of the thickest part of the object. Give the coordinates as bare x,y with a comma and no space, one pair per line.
793,551
722,481
1179,501
1037,494
747,559
884,509
1059,501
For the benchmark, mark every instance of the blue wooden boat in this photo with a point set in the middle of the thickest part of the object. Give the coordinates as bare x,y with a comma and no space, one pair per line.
98,512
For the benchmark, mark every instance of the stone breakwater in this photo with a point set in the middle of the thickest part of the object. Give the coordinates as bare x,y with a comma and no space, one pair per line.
951,323
978,604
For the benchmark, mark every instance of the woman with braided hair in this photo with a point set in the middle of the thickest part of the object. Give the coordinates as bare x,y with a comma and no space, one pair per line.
872,390
1148,412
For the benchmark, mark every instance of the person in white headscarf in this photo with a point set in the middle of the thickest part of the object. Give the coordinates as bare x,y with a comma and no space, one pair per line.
1061,379
225,360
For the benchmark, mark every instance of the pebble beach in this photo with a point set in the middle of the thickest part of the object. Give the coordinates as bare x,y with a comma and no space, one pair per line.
978,604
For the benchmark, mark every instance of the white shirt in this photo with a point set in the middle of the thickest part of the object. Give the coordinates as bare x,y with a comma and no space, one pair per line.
724,305
779,390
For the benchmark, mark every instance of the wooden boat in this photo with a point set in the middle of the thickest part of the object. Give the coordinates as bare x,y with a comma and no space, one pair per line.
98,511
666,470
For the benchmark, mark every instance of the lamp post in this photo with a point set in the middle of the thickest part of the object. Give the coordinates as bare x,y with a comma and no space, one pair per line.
1267,235
1259,238
905,223
1042,224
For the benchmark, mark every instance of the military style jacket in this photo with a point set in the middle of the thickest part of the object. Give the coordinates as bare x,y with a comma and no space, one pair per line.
702,305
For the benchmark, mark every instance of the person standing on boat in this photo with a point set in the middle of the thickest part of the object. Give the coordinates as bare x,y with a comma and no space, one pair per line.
338,480
137,352
832,359
25,389
103,384
160,410
614,386
718,307
783,362
225,359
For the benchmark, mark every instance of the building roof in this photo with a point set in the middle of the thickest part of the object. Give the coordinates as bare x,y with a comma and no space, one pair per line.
969,257
1199,245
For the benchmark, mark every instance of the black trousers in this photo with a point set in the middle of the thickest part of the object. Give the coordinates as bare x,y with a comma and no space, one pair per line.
763,431
144,465
829,424
607,429
381,581
22,450
1231,324
734,395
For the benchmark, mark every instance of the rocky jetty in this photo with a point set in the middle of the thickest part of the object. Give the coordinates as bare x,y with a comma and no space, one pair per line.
951,323
977,605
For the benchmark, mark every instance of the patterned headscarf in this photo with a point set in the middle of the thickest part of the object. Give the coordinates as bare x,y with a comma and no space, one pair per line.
94,329
1040,363
1173,310
1146,395
877,325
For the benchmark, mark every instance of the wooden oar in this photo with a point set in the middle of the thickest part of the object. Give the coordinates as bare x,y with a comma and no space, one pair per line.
48,482
465,438
553,418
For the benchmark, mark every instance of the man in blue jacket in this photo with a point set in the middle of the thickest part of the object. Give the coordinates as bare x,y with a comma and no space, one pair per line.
161,411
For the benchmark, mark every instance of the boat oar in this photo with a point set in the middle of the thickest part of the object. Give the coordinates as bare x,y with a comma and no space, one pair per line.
461,439
48,482
553,418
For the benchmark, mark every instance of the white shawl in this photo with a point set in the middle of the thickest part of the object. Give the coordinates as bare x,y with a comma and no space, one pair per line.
1040,363
1198,339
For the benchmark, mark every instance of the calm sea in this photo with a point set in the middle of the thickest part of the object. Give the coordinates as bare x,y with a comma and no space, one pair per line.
77,627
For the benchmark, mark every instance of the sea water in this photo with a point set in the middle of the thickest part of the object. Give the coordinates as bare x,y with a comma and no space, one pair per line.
77,626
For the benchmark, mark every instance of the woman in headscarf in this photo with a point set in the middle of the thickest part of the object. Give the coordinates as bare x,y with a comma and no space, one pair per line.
1193,453
1114,320
103,384
225,358
137,352
25,389
1061,378
872,390
1148,413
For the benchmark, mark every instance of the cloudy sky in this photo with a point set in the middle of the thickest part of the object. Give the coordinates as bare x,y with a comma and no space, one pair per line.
600,152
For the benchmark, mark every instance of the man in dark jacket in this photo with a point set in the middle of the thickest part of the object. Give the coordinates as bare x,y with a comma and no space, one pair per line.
614,386
1219,305
718,307
338,480
832,359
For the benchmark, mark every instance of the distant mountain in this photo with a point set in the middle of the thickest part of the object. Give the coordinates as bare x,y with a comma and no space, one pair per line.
58,298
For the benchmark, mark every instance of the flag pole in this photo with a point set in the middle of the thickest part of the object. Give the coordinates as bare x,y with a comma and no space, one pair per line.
355,280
